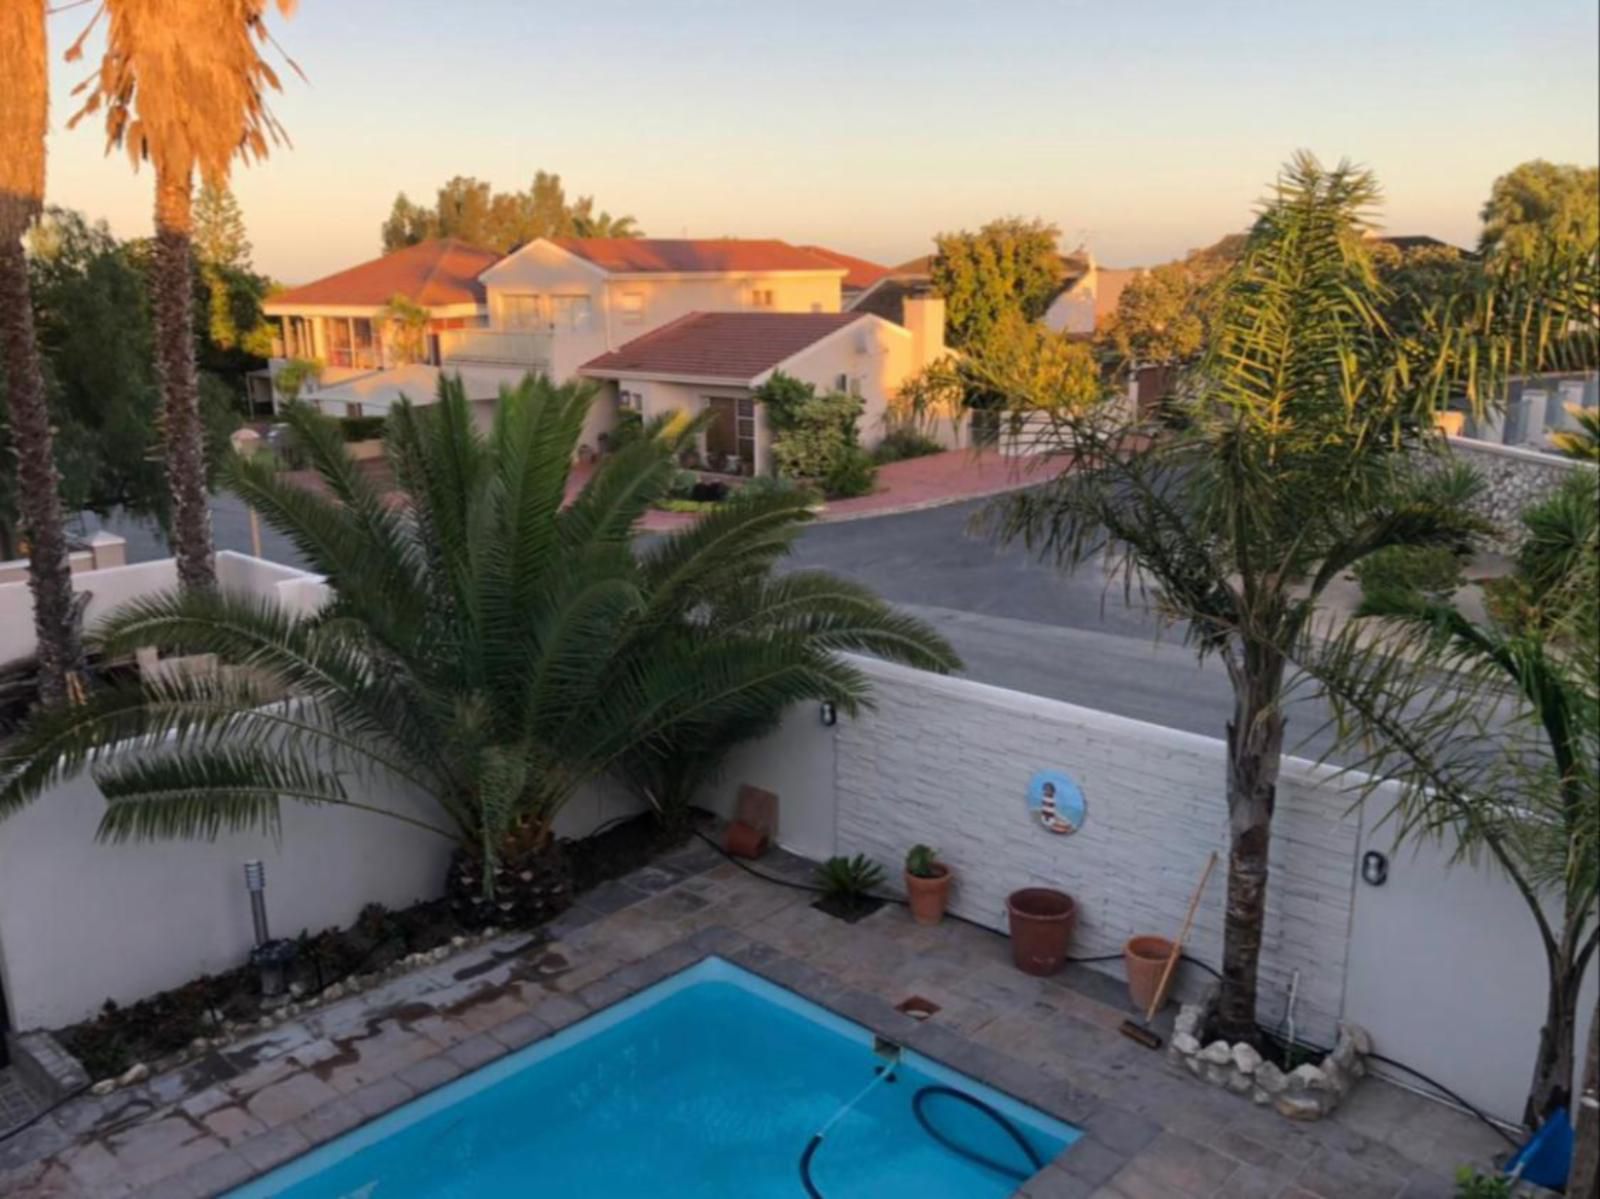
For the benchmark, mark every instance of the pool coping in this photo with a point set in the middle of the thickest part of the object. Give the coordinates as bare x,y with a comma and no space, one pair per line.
1088,1161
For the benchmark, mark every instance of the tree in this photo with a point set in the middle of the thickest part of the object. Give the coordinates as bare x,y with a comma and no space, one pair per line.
1539,203
24,102
405,329
220,239
473,211
182,84
1289,467
1164,315
488,644
1421,703
408,224
1009,266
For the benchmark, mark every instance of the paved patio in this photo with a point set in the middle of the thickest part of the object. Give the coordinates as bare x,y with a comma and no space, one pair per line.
1149,1131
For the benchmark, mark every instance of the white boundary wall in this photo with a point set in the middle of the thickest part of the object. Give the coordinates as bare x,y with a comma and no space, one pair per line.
1441,963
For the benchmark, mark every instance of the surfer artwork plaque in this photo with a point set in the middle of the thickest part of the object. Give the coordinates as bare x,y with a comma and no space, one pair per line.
1056,802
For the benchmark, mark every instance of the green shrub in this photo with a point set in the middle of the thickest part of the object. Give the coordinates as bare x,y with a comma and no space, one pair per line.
629,429
361,428
1470,1184
851,474
1431,572
683,484
773,485
849,880
923,862
903,443
812,434
679,504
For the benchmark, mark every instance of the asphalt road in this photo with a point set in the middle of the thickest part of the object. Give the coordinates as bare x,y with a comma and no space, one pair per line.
1016,622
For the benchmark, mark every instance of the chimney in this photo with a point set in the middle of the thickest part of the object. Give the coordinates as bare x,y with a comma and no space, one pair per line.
923,317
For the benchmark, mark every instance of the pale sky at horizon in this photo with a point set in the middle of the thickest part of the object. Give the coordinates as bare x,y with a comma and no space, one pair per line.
1141,129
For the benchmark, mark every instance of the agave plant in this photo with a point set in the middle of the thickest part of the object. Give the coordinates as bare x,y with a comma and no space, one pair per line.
487,644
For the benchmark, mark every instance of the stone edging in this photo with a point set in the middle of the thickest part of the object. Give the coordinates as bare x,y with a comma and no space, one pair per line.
1308,1092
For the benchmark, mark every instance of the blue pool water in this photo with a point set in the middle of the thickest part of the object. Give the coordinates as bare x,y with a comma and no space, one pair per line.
710,1083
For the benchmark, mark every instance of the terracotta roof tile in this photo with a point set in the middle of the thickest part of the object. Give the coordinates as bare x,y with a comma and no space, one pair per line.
859,273
736,346
431,273
628,255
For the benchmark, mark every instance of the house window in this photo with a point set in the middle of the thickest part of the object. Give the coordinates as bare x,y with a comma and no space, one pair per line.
569,312
632,308
337,332
761,297
364,346
522,311
630,400
841,383
855,386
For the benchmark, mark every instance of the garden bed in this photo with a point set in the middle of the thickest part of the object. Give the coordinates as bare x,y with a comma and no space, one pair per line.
127,1042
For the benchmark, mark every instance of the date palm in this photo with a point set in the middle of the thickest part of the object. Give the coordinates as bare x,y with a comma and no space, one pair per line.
182,85
485,645
1418,706
1292,460
23,111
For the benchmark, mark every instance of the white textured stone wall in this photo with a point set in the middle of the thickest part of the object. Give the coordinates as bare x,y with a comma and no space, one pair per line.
947,762
1516,479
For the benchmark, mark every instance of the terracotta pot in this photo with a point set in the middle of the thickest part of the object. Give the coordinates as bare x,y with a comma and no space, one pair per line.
1145,959
1041,920
744,841
927,897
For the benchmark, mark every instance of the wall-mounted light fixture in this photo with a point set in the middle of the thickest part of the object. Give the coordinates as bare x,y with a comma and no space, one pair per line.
829,714
1374,868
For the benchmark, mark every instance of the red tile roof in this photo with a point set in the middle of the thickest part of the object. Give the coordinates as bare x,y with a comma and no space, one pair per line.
627,255
859,273
431,273
736,346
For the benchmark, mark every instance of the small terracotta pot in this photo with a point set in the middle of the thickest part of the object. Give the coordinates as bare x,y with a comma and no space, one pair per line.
927,897
1145,959
1041,920
744,841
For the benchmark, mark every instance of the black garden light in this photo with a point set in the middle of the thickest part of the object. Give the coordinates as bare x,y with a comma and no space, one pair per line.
271,958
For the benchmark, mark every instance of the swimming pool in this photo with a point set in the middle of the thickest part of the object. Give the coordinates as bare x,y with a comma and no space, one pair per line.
710,1083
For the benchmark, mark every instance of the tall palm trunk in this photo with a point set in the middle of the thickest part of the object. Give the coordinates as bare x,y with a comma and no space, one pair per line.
1255,750
1585,1177
1552,1069
23,109
173,294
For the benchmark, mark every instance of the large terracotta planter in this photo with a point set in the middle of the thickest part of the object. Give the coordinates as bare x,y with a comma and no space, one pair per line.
927,897
1041,920
1145,959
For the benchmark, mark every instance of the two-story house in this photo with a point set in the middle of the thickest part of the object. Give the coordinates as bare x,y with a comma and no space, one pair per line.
564,306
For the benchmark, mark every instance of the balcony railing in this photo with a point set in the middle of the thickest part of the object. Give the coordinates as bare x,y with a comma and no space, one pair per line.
496,347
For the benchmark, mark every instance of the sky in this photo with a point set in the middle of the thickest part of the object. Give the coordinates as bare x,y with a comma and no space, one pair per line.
1141,129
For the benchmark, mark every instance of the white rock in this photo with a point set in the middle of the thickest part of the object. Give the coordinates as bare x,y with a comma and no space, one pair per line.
1217,1053
1259,1097
1298,1107
297,989
200,1044
1185,1044
104,1087
458,942
1269,1078
1238,1083
336,991
1359,1036
1307,1078
1245,1058
137,1072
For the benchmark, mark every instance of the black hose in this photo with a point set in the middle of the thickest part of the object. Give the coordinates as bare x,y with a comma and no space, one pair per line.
805,1167
1448,1094
1011,1129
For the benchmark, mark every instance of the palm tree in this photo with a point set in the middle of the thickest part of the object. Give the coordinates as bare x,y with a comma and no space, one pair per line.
485,645
23,110
1422,702
588,223
1582,443
183,86
1290,462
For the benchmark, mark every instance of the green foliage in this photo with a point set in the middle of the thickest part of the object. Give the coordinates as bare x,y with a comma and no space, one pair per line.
1164,315
471,210
773,485
849,880
220,239
1561,530
1539,204
923,862
1582,443
1009,267
902,443
295,377
1425,572
629,430
814,436
405,329
851,474
489,645
1471,1184
361,428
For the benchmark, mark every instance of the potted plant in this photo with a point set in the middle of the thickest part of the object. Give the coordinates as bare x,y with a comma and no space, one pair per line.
847,885
927,885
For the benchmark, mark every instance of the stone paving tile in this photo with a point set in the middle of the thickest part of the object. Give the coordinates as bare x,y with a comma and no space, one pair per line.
1147,1130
